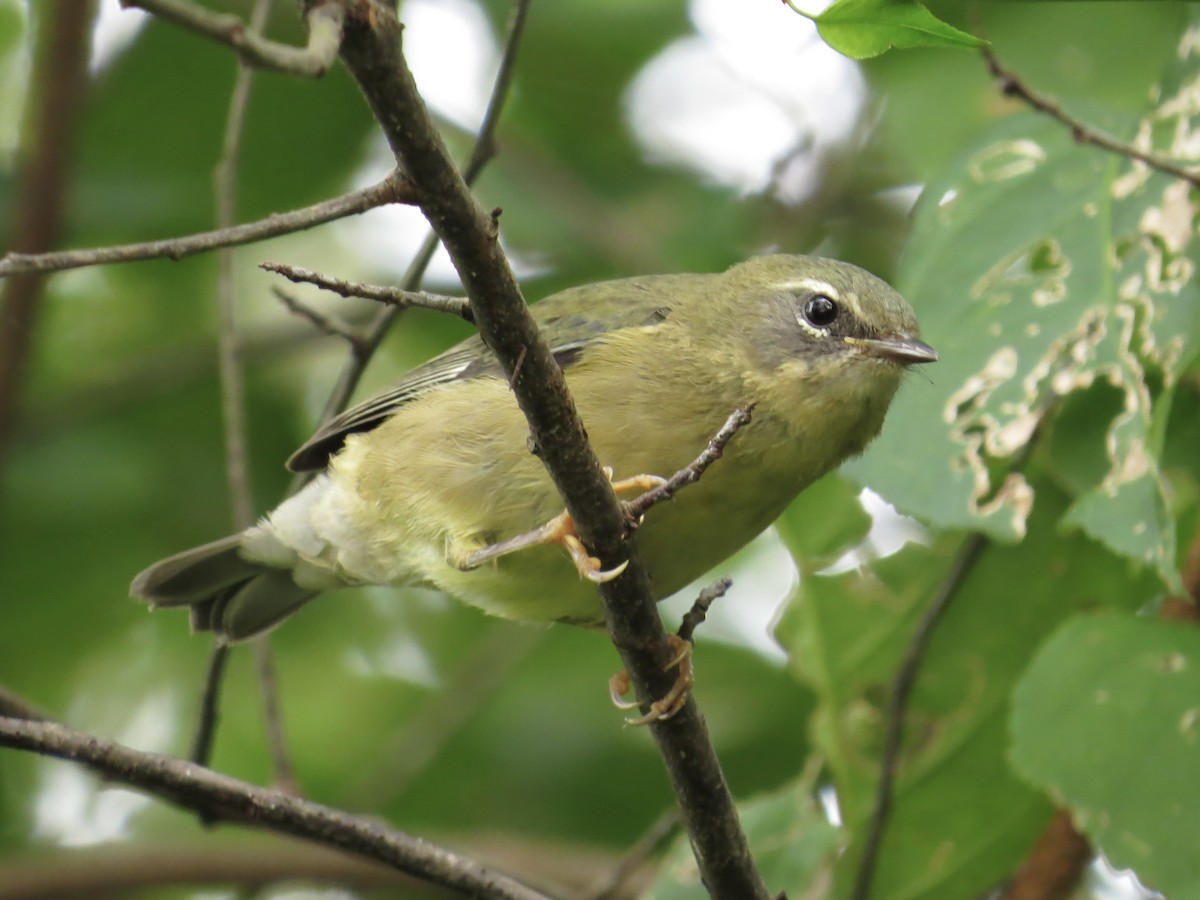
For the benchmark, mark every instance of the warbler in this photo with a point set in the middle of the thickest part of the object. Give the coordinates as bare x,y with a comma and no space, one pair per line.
433,482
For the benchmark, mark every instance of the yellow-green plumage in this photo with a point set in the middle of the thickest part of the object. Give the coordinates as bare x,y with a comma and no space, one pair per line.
655,365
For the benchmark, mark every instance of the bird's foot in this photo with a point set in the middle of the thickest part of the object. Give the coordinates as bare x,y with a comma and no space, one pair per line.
670,703
561,530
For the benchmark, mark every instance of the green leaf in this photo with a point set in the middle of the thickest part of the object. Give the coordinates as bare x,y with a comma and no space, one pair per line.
864,28
1107,721
1041,267
961,821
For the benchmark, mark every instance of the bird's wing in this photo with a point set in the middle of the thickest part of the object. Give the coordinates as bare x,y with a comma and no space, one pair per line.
565,327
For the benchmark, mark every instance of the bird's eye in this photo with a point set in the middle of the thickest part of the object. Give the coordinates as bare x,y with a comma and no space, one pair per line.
820,311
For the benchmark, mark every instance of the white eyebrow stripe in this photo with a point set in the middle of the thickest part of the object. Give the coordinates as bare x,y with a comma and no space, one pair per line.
812,284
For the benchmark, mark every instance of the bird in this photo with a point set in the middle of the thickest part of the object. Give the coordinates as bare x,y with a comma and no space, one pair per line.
433,483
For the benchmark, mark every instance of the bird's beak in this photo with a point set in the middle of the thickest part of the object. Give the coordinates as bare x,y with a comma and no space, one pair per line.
899,349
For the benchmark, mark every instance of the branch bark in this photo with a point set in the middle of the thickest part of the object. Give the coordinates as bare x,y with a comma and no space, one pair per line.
371,50
380,293
392,189
1011,85
1055,865
221,798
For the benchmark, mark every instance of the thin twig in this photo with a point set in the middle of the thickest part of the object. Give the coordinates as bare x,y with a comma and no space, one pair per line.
482,152
690,474
233,394
695,616
283,773
229,363
906,677
221,798
320,321
654,838
393,189
484,149
1011,85
210,695
324,35
380,293
14,706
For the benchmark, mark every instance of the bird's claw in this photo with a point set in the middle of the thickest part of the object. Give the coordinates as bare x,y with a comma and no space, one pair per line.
670,703
589,566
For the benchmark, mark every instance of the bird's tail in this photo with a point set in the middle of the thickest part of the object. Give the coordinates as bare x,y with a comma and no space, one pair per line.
234,597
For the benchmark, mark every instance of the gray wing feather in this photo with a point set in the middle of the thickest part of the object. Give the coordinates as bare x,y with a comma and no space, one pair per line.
569,334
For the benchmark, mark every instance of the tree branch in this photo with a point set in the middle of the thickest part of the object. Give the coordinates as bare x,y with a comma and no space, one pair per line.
380,293
1012,86
220,797
695,616
371,51
393,189
210,705
910,666
233,390
902,685
229,362
1054,866
481,153
14,706
324,35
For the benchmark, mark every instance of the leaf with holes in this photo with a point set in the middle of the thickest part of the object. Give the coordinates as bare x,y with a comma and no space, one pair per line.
1042,268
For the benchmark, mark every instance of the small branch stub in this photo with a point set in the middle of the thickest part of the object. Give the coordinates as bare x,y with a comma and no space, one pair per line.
737,420
391,296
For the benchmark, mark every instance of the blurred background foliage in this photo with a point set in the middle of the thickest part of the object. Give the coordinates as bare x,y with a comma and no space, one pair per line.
1056,279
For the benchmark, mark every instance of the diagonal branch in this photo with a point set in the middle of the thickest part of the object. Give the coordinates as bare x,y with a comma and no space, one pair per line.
371,51
969,554
902,685
393,189
324,35
222,798
482,152
1012,86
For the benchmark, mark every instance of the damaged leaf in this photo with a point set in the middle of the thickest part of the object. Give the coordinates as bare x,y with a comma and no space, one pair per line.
1040,268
